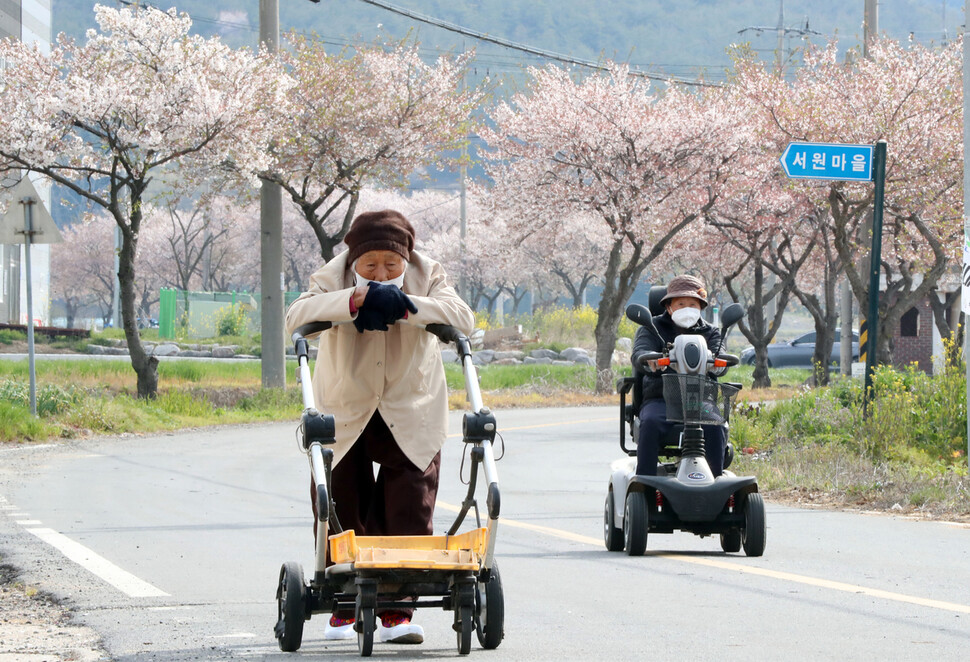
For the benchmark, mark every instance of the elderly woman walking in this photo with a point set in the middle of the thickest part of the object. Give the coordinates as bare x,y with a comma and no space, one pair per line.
384,382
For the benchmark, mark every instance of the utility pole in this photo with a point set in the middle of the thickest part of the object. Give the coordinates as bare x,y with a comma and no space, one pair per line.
462,210
782,32
870,29
271,239
965,294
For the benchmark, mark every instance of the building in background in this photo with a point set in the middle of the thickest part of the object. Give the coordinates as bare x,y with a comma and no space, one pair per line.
29,21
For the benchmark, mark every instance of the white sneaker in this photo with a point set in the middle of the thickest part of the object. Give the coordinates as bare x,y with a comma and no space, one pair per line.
405,633
339,632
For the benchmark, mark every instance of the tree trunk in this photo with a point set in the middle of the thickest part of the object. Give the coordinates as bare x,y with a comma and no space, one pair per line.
952,339
145,366
619,283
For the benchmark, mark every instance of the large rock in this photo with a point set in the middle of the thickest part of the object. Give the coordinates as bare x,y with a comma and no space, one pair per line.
584,359
226,352
625,345
516,354
508,361
573,354
167,349
486,356
544,354
196,353
544,360
96,349
449,356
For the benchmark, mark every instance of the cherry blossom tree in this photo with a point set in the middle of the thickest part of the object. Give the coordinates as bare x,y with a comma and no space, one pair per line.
82,267
142,107
645,164
374,116
911,97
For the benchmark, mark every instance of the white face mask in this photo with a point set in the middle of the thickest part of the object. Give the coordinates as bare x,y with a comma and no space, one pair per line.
360,281
685,318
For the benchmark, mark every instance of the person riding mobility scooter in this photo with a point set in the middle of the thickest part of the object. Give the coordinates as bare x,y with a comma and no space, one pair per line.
685,494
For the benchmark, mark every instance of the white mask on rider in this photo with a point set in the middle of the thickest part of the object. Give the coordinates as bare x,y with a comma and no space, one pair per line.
360,281
685,318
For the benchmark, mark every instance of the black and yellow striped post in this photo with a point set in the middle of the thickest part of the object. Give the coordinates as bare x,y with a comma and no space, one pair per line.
863,339
875,262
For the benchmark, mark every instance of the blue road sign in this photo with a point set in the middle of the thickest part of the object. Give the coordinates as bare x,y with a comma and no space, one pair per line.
828,161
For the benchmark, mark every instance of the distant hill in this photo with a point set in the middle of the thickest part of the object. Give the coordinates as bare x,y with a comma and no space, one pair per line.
684,38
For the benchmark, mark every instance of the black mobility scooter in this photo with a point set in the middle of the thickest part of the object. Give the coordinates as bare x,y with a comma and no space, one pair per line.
683,495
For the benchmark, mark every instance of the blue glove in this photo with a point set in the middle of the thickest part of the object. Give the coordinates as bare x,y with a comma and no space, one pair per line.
383,305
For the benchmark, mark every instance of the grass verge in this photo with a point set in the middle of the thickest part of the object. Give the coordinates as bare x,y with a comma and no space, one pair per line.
806,446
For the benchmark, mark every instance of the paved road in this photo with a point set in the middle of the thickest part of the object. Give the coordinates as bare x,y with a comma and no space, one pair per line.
178,541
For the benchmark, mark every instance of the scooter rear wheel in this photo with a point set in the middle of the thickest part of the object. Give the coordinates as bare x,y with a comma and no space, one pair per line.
635,522
612,534
731,542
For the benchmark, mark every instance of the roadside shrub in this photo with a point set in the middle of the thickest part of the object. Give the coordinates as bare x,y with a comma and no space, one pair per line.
18,424
51,398
232,320
914,418
9,336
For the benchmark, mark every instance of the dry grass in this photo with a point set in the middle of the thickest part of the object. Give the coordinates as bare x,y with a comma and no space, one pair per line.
832,477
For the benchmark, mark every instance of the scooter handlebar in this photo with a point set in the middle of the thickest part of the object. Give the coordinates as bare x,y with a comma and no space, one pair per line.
649,356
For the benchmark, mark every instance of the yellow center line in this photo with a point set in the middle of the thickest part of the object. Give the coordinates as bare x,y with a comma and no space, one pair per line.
746,569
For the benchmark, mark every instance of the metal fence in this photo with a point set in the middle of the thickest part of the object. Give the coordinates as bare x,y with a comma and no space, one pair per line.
189,314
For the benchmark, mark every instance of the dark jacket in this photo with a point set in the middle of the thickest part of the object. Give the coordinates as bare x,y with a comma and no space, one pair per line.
647,342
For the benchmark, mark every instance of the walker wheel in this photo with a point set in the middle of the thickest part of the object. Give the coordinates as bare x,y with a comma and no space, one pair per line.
490,610
464,618
366,618
291,607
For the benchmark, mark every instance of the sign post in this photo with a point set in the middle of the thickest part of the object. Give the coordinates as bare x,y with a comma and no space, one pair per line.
37,228
859,163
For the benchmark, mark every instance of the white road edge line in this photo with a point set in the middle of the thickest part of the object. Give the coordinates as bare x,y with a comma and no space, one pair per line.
122,580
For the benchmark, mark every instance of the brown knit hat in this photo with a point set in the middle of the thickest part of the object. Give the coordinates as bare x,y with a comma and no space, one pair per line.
385,230
686,286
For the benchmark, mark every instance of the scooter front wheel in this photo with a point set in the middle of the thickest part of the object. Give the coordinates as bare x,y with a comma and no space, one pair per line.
635,522
754,533
612,534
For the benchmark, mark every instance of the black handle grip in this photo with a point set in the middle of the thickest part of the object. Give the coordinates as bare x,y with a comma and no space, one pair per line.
309,328
445,332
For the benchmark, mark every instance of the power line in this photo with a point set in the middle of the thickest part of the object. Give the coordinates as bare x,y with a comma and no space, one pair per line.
481,36
505,43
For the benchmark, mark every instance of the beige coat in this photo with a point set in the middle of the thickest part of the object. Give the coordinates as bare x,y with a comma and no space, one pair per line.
397,372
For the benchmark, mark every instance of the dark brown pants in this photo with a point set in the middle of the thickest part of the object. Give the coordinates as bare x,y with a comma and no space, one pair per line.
398,502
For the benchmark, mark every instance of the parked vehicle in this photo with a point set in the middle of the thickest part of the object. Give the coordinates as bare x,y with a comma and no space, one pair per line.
798,353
